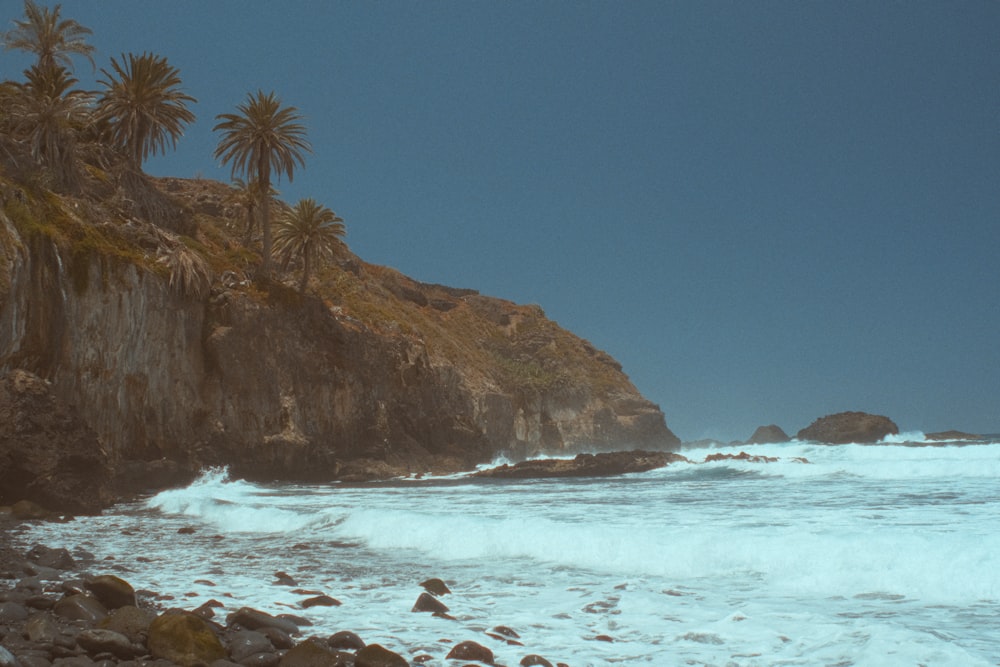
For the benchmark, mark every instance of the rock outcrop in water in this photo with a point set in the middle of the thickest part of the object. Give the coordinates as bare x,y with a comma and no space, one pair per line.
584,465
847,427
768,435
373,374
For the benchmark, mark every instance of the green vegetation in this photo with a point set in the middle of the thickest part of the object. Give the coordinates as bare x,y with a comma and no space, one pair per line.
309,232
261,138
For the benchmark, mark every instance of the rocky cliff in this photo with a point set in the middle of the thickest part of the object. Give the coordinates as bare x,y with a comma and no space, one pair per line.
370,373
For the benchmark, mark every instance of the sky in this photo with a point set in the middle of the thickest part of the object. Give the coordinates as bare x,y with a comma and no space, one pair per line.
766,211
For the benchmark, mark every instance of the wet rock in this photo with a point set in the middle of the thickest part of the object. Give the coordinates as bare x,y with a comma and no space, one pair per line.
80,608
584,465
742,456
504,631
435,586
252,619
113,592
12,612
184,639
469,650
847,427
130,621
261,660
768,434
311,654
427,602
26,510
186,530
284,580
41,628
57,559
96,641
320,601
345,639
530,660
245,643
279,638
375,655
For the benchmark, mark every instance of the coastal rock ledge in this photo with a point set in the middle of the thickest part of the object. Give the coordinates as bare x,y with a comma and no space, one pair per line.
849,427
368,373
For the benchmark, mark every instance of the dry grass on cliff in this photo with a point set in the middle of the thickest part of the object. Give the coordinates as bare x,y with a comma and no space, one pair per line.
496,342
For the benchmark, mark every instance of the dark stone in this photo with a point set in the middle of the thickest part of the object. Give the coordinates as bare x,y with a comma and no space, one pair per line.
435,586
345,639
80,608
742,456
246,643
97,641
58,559
261,660
375,655
320,601
469,650
252,619
585,465
529,660
113,592
12,612
311,654
427,602
26,510
130,621
184,639
48,454
849,427
952,435
768,434
279,638
506,632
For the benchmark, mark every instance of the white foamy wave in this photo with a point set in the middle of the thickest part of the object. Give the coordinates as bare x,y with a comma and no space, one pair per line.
904,437
229,505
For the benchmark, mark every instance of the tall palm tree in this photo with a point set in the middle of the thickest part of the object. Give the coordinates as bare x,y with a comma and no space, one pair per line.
262,138
310,232
143,105
49,116
52,39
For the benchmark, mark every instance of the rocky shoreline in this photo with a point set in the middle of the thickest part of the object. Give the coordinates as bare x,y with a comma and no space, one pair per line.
54,612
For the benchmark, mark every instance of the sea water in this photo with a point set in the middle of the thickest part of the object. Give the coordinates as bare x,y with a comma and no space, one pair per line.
883,554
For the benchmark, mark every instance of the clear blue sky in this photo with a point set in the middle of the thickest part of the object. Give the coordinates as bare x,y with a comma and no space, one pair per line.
767,211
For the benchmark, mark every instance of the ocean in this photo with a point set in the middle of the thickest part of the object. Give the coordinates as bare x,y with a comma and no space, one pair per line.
883,554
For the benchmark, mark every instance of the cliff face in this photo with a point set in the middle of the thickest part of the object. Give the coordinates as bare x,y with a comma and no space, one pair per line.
378,374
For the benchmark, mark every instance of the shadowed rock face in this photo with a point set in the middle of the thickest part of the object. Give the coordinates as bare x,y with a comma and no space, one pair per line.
47,453
847,427
383,376
584,465
768,434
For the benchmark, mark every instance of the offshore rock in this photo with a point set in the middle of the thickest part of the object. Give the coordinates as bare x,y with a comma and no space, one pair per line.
849,427
584,465
48,454
768,435
402,376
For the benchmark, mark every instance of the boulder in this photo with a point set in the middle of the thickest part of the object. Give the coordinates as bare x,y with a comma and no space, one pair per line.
252,619
26,510
435,586
57,559
375,655
768,434
952,435
48,454
532,660
345,639
246,643
469,650
130,621
742,456
95,641
320,601
113,592
80,608
311,654
427,602
584,465
849,427
184,639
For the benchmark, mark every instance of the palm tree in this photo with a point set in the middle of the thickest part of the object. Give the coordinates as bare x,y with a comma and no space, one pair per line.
143,105
53,40
310,231
49,117
261,138
247,197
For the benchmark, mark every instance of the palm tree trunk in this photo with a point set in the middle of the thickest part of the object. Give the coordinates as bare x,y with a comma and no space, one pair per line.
265,220
305,273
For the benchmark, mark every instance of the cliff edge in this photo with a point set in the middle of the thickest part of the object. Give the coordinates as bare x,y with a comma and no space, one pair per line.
169,350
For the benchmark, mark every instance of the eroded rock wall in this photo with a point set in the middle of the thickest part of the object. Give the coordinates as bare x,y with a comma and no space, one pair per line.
277,385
